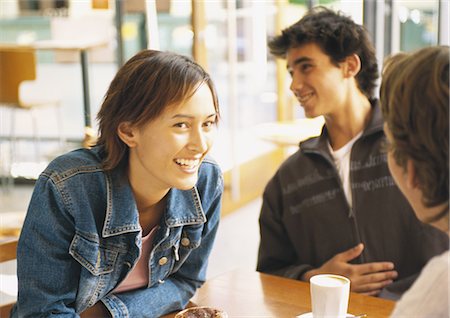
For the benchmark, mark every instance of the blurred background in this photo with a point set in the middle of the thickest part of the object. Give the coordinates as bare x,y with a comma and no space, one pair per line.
260,119
80,44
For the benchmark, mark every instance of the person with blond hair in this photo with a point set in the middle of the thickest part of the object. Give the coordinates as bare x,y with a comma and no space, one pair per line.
414,96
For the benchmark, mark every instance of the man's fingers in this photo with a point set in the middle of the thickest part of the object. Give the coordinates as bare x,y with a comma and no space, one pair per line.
376,278
369,268
372,287
350,254
373,282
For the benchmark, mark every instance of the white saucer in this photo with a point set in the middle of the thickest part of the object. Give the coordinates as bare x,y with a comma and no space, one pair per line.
310,315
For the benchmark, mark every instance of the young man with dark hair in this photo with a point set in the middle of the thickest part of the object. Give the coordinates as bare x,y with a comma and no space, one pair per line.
333,207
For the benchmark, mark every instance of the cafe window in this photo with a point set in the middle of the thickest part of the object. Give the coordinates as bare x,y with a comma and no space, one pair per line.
415,24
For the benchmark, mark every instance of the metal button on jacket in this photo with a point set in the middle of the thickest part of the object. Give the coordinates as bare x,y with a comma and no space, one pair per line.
162,261
185,241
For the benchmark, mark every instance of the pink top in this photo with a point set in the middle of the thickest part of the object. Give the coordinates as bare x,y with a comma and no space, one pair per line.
138,277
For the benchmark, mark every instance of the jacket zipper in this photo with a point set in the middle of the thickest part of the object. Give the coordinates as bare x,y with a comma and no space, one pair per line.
351,214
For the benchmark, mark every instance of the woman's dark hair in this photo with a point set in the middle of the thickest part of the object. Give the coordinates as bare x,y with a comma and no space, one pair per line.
414,97
338,36
142,89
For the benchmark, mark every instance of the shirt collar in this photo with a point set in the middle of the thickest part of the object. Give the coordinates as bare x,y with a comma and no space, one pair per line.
375,125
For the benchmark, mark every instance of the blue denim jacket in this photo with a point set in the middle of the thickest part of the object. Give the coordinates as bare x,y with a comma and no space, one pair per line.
81,237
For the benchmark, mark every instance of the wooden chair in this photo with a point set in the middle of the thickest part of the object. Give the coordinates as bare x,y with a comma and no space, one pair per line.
18,65
8,248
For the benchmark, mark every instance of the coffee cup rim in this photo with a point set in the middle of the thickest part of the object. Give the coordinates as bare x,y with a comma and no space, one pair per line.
315,277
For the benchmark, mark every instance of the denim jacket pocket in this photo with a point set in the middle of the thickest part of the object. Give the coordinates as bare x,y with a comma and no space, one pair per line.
97,259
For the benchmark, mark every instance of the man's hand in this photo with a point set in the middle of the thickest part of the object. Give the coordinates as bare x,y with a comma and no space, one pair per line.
368,278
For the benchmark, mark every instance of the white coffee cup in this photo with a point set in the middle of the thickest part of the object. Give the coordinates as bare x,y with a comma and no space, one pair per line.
329,295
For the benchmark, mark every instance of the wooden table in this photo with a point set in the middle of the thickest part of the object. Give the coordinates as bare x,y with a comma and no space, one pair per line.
244,293
8,247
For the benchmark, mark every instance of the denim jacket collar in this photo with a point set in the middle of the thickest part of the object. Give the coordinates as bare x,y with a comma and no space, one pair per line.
183,207
122,216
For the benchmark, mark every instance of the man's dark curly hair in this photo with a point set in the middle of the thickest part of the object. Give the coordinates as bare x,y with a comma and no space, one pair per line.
338,36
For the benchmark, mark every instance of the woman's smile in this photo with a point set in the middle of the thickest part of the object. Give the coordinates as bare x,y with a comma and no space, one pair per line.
188,165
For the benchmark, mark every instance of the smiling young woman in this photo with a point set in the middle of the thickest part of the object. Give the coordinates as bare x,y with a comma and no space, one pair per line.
124,229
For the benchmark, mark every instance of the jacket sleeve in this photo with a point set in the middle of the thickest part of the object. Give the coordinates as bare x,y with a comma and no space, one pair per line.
276,253
174,293
46,272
